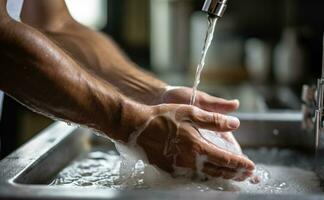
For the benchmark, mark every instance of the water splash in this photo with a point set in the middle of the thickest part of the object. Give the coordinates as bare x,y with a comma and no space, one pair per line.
212,21
102,169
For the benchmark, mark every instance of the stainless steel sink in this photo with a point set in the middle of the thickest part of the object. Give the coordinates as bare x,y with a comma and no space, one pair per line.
27,172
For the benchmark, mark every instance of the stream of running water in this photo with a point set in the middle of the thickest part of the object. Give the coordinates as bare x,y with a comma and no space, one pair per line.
107,169
212,21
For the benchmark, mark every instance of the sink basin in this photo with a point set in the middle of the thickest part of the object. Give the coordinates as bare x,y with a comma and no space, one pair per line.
27,172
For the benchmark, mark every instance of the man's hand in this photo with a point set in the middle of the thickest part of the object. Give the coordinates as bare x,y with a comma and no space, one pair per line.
40,75
102,56
168,134
181,95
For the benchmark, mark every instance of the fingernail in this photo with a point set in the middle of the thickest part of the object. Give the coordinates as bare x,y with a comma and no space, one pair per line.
233,122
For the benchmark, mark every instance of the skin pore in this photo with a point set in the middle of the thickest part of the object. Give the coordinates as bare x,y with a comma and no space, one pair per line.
61,69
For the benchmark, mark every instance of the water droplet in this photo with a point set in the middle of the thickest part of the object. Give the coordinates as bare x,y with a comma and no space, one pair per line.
102,170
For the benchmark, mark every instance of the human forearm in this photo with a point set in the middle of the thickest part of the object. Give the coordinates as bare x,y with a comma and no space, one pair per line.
41,76
96,51
135,82
100,54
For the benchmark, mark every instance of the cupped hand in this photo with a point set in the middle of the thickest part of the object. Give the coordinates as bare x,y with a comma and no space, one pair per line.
204,101
169,135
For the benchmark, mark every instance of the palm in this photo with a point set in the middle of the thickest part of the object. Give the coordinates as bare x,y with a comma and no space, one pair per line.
171,140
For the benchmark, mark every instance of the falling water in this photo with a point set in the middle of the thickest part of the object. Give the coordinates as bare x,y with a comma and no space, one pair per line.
208,40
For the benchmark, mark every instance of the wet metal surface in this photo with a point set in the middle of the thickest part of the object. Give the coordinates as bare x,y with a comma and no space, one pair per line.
27,172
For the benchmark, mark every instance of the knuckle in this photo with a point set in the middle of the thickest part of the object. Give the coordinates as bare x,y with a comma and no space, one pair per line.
219,120
193,112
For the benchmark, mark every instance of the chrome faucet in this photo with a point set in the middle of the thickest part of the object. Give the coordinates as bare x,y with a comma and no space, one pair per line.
319,123
215,8
313,116
313,106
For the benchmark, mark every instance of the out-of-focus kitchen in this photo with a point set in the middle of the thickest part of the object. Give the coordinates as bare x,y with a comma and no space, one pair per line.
266,54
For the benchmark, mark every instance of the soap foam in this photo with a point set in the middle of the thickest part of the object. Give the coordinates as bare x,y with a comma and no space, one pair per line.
100,169
132,153
131,169
219,141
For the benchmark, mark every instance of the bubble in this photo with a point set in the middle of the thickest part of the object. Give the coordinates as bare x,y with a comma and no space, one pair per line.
105,170
218,140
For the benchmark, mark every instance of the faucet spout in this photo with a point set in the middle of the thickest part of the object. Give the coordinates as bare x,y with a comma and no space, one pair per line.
215,8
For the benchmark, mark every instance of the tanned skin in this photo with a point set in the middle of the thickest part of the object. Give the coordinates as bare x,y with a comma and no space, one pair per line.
61,69
101,55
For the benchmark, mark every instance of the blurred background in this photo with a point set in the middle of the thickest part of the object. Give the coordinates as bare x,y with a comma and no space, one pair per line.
263,51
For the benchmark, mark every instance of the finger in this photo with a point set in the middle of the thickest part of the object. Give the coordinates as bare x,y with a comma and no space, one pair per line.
225,173
255,180
181,95
219,172
213,121
215,104
227,159
243,176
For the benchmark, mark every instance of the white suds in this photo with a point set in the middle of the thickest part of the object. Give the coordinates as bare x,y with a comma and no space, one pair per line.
100,169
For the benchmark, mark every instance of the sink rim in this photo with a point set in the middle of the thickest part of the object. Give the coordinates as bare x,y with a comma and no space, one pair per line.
14,166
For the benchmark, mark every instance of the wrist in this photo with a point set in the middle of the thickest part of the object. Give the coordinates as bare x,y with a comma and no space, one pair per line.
139,85
104,108
132,117
159,94
164,95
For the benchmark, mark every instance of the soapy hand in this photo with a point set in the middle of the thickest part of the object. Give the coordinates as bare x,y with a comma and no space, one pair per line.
182,95
169,135
99,54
